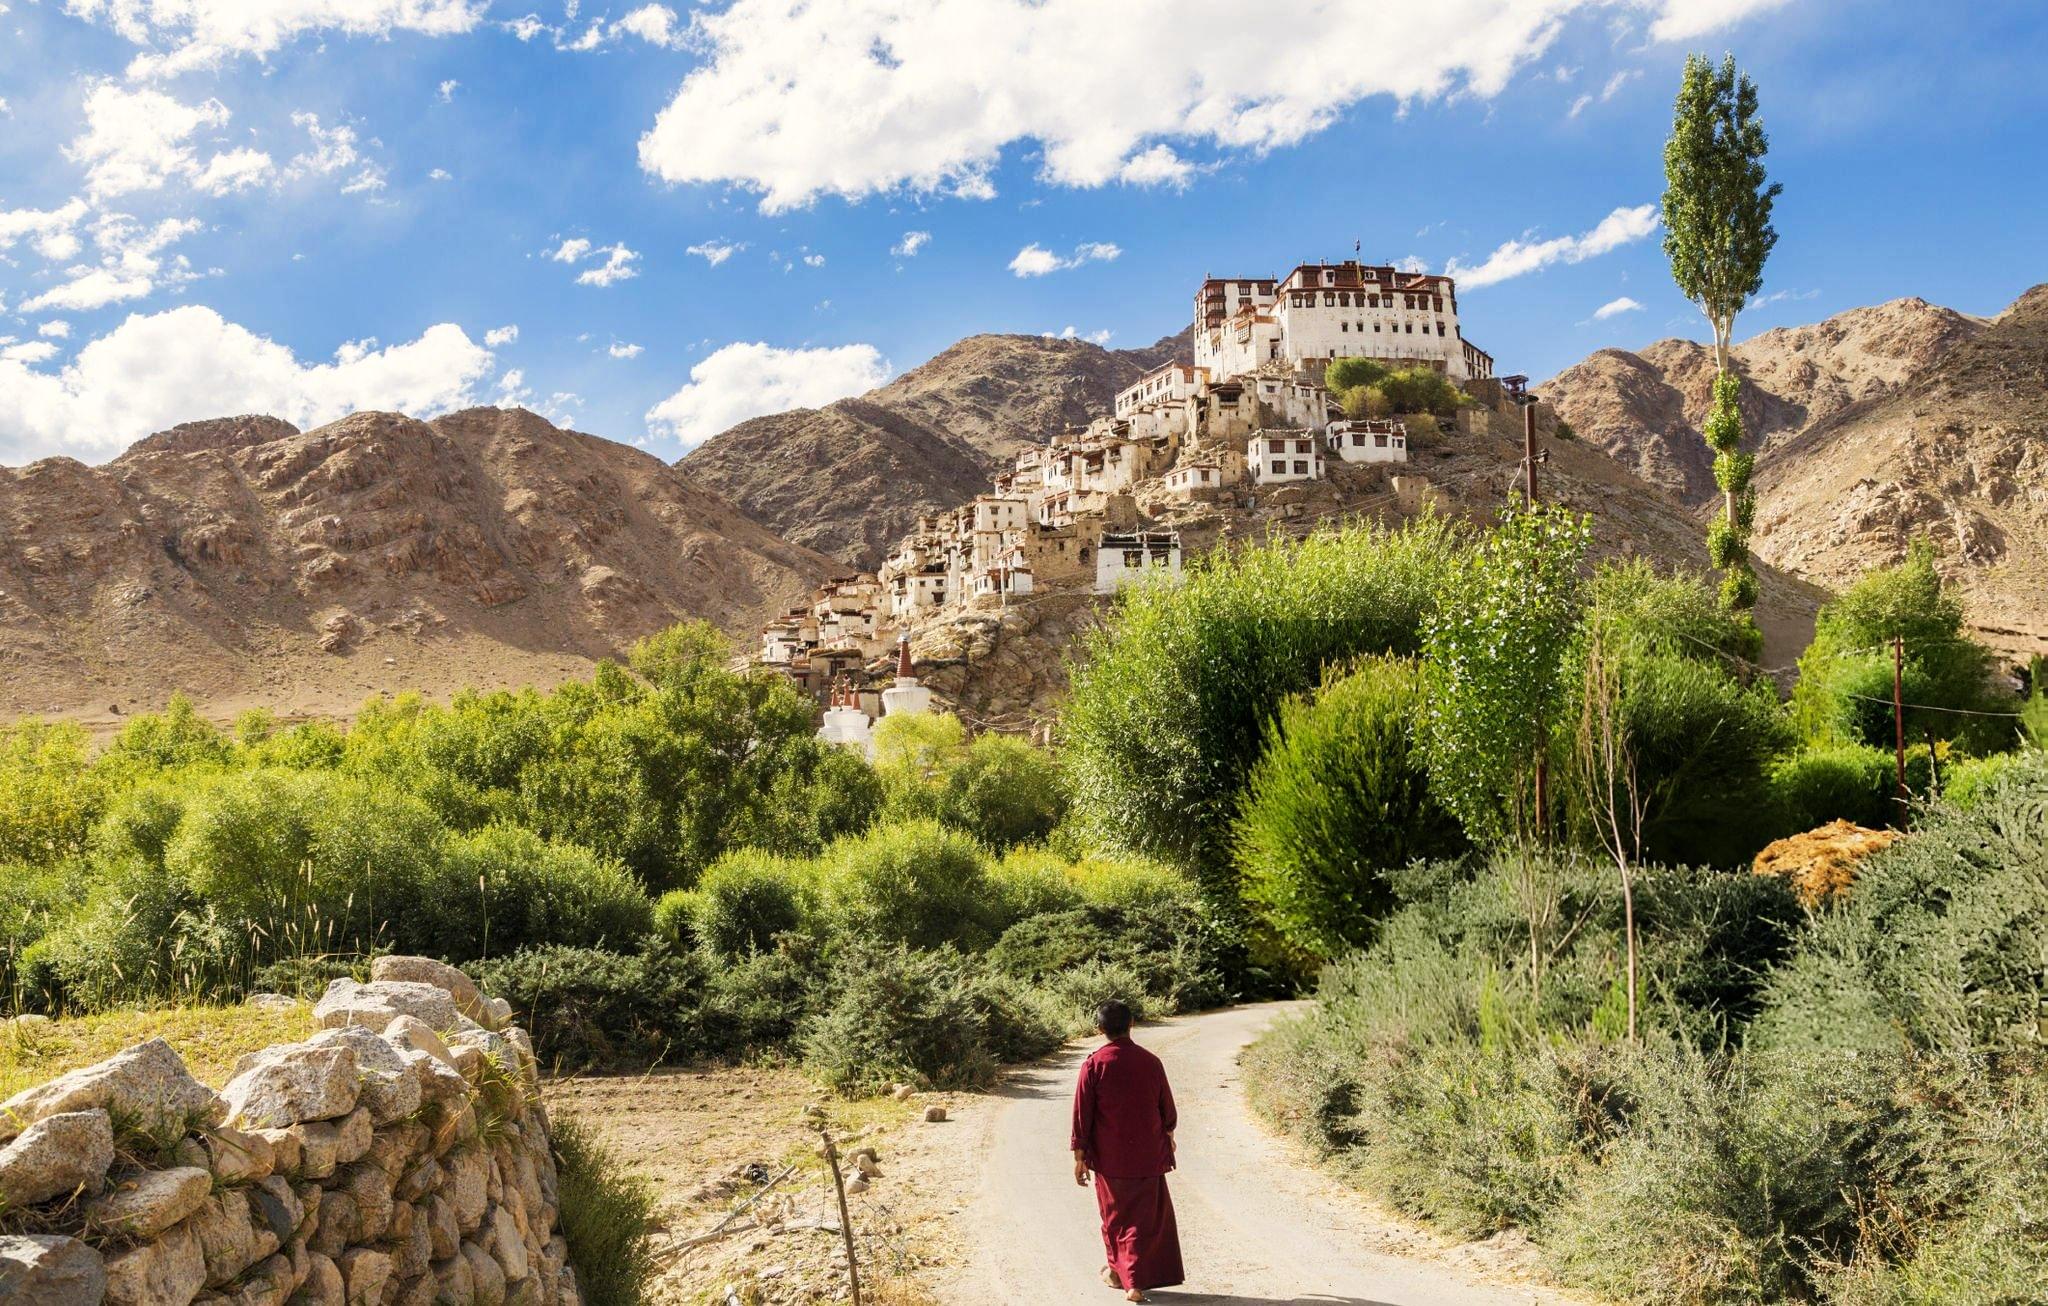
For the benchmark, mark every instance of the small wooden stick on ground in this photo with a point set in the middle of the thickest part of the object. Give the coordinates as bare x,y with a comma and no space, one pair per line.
845,1222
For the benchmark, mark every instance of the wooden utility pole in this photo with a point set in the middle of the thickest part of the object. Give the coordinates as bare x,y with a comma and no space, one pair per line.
1899,718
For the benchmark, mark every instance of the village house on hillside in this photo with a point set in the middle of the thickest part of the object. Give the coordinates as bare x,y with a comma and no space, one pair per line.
1247,412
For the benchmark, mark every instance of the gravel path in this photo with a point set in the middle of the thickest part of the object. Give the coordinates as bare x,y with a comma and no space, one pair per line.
1258,1225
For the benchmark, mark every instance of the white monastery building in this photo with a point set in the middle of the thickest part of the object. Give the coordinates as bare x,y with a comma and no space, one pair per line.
1125,559
1277,457
1334,310
1373,440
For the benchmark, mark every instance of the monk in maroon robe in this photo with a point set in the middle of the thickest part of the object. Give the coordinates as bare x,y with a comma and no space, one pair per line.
1123,1132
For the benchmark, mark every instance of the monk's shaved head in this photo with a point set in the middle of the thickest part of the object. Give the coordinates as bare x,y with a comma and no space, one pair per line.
1113,1018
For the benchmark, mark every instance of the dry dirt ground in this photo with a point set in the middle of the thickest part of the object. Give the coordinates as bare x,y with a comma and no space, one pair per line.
982,1208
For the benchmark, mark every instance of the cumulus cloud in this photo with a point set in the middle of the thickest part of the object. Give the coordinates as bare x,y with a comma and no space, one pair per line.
131,265
654,24
1616,307
570,250
139,139
234,170
55,329
744,380
27,351
154,371
440,174
621,350
499,337
1034,260
333,150
912,242
1519,257
814,260
716,252
794,99
448,89
192,34
50,232
617,267
1093,337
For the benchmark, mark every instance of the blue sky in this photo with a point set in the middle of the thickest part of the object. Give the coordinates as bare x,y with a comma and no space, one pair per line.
691,215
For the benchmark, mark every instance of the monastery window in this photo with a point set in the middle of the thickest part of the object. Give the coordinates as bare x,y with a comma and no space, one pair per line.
1439,328
1379,441
1279,467
1329,300
1301,446
1300,469
1411,328
1375,327
1439,302
1344,326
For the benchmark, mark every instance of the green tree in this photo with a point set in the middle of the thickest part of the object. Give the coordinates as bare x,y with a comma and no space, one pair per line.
1338,801
1717,235
1171,695
1005,793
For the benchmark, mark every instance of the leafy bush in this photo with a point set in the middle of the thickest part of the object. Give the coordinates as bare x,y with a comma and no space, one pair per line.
916,883
1850,782
1032,882
49,794
607,1216
1344,374
759,1001
1170,697
1166,946
505,888
1131,882
1422,390
588,1008
1005,792
1944,940
916,1017
1340,798
748,898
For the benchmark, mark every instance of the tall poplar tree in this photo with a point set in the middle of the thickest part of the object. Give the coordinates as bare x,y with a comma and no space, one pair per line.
1717,234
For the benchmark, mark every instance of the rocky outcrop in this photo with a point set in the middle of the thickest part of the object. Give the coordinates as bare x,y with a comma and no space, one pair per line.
366,1166
852,478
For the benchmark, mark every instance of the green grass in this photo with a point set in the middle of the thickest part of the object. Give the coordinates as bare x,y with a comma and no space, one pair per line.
210,1039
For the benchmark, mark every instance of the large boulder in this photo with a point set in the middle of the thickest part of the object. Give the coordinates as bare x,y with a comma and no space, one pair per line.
425,970
146,1084
147,1202
390,1087
288,1083
377,1003
47,1270
166,1271
55,1156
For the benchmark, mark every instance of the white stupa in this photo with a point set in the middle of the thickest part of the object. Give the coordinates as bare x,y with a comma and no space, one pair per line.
906,695
845,723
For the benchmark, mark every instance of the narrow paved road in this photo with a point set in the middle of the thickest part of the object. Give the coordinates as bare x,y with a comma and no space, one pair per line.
1258,1226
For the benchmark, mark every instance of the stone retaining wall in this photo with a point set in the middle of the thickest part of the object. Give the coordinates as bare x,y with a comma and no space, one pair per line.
398,1157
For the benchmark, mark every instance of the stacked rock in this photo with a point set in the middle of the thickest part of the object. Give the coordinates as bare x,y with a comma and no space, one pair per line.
398,1157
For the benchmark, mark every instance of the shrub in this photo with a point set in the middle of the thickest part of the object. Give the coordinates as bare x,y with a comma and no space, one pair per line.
1943,942
1850,782
1077,992
50,796
1131,882
1422,390
505,888
592,1009
1032,882
1344,374
1005,792
748,898
607,1216
915,756
759,1001
1339,798
899,1015
915,883
1171,695
1166,946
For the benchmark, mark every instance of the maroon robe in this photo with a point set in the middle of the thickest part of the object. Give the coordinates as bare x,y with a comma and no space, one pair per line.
1123,1114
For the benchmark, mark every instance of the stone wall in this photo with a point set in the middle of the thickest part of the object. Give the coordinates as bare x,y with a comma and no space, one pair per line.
398,1157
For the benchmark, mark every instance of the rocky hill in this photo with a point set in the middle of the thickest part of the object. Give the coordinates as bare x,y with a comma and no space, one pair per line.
1959,453
1645,409
851,478
250,563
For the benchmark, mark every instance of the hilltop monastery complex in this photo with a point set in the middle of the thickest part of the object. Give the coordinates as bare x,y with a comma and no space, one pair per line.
1249,412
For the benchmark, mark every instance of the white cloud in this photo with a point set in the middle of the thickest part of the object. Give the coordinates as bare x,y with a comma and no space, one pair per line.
617,267
154,371
1158,166
1034,260
49,231
234,170
29,351
1680,20
814,260
5,107
619,350
334,148
55,329
794,99
1518,257
367,182
138,140
912,242
1783,296
715,252
1616,307
1616,82
654,24
448,89
1093,337
197,34
1578,106
499,337
570,250
512,391
440,174
526,28
131,265
742,380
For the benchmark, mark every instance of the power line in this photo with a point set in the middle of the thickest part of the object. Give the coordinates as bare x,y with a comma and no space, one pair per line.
1929,707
